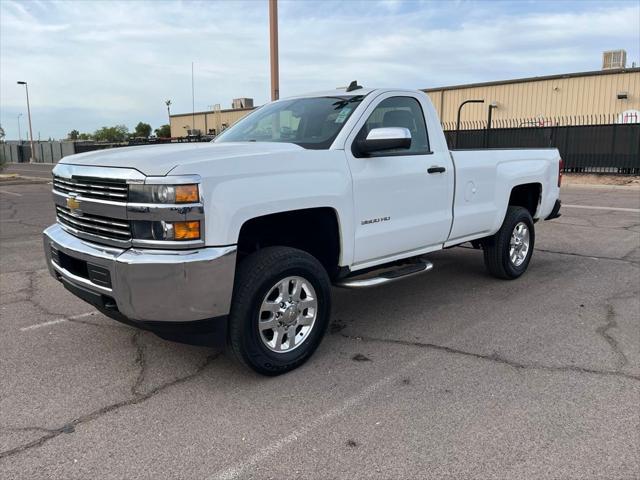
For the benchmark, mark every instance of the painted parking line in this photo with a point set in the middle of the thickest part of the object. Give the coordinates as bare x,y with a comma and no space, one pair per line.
234,472
56,321
592,207
11,193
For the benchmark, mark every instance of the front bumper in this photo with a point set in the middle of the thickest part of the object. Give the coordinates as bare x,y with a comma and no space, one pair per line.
144,285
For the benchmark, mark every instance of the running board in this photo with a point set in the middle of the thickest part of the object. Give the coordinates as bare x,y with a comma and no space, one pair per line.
386,277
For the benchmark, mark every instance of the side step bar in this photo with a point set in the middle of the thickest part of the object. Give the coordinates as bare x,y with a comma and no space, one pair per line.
386,277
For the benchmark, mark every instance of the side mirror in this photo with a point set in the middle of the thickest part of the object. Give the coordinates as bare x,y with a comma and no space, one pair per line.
386,138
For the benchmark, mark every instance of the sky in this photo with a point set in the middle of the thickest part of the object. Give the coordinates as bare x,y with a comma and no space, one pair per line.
94,63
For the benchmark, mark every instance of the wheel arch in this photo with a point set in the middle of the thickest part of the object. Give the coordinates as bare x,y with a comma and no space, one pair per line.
526,195
314,230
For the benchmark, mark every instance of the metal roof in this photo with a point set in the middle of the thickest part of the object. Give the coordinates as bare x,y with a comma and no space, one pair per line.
210,112
534,79
338,92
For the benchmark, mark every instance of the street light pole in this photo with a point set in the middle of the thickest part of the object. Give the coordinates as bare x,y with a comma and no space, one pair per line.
19,130
273,49
492,105
33,151
193,103
458,118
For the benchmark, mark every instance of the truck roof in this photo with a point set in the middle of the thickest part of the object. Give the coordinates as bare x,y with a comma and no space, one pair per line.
341,92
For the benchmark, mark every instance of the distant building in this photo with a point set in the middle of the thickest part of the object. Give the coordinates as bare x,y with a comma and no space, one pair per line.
211,122
593,96
610,95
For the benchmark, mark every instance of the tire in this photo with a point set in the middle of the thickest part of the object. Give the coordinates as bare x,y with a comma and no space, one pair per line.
497,248
260,283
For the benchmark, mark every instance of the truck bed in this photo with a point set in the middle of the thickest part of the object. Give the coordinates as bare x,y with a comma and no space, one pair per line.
484,181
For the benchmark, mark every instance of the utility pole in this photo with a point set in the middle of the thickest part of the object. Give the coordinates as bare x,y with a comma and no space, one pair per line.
33,151
273,50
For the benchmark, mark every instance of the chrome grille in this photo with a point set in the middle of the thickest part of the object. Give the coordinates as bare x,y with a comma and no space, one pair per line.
116,229
91,187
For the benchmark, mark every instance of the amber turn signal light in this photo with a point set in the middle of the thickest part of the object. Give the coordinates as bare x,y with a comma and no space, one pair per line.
186,230
187,194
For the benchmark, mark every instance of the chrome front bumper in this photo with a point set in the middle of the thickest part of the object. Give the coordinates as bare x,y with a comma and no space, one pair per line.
145,285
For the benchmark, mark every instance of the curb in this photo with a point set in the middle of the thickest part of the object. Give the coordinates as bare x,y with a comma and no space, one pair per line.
24,181
599,186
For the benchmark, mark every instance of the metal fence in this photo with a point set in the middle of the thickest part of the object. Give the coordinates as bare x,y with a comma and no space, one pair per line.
52,152
589,144
46,152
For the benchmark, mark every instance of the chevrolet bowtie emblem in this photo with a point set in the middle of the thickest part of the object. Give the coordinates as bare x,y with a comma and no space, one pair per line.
72,203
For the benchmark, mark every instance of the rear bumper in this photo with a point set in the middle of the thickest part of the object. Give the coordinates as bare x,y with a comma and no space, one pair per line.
144,285
555,212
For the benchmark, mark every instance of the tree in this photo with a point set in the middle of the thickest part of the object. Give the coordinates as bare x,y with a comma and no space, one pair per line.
1,134
119,133
142,130
73,135
164,131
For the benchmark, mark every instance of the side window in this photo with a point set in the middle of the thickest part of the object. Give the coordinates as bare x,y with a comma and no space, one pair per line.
400,112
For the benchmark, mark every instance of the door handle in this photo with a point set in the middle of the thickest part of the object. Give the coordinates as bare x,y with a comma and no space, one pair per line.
436,170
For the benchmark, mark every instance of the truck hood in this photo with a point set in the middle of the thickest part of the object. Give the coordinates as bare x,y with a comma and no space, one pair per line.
159,160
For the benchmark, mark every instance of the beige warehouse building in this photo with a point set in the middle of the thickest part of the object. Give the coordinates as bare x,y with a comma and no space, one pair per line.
611,95
208,123
591,96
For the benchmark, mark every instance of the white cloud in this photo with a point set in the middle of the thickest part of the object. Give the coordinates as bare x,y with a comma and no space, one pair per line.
95,63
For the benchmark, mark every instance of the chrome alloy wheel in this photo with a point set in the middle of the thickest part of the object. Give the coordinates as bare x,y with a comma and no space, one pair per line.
519,244
287,314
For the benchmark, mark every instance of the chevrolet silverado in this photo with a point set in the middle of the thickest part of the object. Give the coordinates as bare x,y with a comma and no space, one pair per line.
240,240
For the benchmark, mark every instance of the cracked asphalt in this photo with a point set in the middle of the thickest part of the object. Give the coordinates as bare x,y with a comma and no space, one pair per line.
453,374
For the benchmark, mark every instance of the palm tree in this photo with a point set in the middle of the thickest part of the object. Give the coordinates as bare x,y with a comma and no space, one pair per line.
168,104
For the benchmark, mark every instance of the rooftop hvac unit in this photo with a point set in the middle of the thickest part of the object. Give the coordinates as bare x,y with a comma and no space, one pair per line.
614,59
239,103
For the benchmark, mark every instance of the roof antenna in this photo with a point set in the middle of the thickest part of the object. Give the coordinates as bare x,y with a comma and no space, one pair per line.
353,86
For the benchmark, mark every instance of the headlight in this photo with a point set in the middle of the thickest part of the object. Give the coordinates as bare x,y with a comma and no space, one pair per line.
169,231
164,193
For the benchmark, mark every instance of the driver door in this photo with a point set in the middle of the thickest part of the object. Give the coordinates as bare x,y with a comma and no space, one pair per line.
400,208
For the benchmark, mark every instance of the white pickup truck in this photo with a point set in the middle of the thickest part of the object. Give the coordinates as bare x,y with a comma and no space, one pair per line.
241,239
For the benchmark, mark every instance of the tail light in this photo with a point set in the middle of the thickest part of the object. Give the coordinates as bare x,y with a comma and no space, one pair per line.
560,165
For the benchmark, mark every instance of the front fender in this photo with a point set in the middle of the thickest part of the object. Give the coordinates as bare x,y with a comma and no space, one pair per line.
293,181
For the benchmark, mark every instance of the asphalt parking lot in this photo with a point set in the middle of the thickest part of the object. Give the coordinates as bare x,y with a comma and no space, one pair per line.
453,374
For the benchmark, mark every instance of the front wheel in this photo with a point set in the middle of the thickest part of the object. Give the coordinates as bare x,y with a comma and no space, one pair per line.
508,252
280,311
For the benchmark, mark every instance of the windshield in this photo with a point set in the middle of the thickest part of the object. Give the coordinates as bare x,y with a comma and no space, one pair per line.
312,123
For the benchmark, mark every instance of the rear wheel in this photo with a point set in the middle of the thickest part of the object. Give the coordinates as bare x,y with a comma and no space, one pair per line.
280,311
507,253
